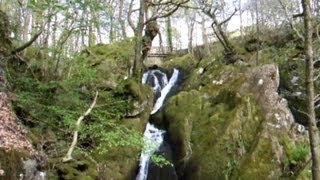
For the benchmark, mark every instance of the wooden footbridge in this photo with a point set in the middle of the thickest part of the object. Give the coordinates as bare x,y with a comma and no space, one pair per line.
159,52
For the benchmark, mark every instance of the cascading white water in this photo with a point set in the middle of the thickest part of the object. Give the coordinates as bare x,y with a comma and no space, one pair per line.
165,91
153,137
152,77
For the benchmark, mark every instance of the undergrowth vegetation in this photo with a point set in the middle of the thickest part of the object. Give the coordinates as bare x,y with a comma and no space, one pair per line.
57,103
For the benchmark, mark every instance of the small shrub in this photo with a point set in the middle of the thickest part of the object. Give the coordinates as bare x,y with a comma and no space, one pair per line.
299,154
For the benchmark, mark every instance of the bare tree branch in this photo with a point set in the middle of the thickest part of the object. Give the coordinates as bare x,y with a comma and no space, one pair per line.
317,33
302,112
297,15
165,12
316,98
68,156
316,77
228,19
27,44
130,22
290,20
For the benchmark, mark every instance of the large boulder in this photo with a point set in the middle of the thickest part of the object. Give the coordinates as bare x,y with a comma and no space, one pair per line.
112,62
231,123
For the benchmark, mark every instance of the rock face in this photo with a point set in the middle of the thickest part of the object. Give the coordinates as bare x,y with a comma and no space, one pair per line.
122,162
14,145
232,124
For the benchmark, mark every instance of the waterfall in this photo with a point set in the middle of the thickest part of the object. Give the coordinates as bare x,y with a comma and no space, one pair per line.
165,91
153,137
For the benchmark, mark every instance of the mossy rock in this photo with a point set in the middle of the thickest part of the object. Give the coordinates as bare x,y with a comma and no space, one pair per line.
112,62
121,161
211,71
208,134
11,164
80,168
185,63
118,163
142,102
233,129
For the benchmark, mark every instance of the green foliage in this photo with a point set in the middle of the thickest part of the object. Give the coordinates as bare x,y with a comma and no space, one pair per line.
231,165
79,73
296,155
277,55
160,160
118,136
119,51
299,154
60,102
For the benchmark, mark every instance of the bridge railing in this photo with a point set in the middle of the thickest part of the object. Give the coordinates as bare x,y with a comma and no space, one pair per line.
159,51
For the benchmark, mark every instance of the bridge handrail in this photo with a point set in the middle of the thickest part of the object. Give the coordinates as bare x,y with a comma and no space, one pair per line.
160,50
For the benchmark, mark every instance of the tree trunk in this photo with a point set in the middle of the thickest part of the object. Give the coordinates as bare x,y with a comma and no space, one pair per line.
190,32
223,38
240,17
111,31
163,50
169,34
258,31
18,23
95,23
47,36
92,37
54,31
121,21
26,25
137,63
313,130
205,37
151,31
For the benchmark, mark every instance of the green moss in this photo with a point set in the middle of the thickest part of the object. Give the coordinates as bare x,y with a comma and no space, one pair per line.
223,138
186,63
81,169
112,62
306,174
11,164
219,131
231,76
259,163
213,128
118,163
122,50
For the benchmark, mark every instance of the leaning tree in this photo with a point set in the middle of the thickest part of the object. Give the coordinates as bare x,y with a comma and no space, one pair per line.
149,11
